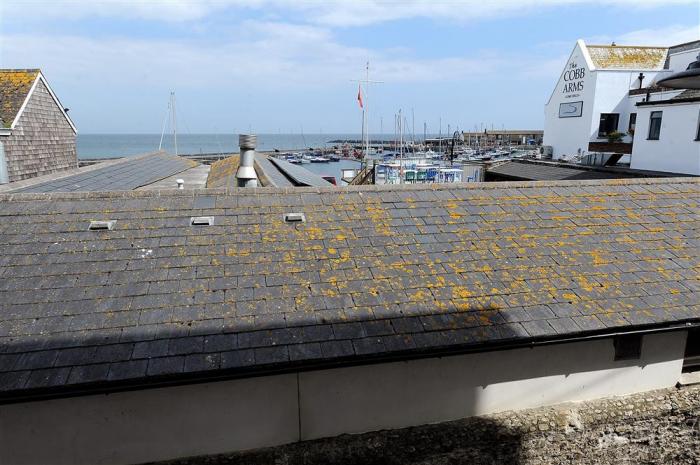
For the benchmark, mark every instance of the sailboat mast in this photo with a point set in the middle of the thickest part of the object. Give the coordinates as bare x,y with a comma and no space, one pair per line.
366,110
363,126
172,98
162,132
413,129
400,149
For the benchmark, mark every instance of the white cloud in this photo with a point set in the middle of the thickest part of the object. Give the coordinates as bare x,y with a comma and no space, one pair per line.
258,54
663,37
337,13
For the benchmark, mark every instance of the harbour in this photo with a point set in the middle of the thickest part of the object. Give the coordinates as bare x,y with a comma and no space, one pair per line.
202,281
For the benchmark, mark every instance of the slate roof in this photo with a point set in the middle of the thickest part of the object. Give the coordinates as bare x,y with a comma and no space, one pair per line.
526,171
15,85
627,57
223,173
273,174
128,174
301,176
375,272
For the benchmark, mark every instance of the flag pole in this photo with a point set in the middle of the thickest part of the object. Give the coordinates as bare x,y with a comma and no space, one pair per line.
365,112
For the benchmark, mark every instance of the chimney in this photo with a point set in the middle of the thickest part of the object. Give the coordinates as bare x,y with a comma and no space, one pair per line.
246,172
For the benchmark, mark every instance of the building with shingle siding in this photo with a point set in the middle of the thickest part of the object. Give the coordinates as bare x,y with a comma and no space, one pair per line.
36,135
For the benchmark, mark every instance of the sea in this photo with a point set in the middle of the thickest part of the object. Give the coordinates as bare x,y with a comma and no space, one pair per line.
91,146
121,145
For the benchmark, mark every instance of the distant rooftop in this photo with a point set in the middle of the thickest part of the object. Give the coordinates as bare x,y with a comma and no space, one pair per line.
272,172
541,170
115,175
374,273
627,57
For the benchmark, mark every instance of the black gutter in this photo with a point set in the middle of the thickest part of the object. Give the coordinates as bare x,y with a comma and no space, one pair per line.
111,387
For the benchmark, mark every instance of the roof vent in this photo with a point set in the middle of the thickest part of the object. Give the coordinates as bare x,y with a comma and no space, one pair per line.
294,218
202,221
101,225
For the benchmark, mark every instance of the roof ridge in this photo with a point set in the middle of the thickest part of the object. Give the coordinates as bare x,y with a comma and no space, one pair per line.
20,70
659,47
236,191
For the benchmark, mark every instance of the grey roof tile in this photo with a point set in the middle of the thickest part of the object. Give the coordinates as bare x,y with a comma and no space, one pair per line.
48,377
127,175
165,365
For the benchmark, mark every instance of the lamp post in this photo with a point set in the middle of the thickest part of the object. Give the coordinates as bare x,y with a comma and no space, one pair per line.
688,79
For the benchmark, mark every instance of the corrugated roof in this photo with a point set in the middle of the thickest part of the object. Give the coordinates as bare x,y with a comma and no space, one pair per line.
15,85
374,272
627,57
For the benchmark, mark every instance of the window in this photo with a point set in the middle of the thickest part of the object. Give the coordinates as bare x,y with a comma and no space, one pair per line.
608,123
633,123
655,125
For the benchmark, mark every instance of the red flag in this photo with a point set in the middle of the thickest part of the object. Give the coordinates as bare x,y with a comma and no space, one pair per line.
359,96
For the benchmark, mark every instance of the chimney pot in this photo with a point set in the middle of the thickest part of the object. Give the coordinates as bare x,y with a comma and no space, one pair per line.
246,171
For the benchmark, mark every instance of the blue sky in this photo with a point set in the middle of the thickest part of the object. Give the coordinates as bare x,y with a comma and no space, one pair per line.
283,65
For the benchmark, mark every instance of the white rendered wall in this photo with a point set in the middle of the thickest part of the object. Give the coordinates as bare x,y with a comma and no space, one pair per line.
367,398
612,96
676,150
604,91
224,416
568,135
154,424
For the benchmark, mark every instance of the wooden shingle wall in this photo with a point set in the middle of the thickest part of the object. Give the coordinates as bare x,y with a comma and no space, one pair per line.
42,142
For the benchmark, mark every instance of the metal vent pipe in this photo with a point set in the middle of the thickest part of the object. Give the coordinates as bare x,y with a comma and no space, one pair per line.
246,172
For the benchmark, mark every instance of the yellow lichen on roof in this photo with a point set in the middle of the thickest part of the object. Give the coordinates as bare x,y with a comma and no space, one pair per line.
223,171
14,87
624,57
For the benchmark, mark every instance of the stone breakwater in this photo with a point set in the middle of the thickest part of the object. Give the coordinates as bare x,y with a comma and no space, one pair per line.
658,427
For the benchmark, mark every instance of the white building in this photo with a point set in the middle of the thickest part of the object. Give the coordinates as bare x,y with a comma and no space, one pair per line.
611,89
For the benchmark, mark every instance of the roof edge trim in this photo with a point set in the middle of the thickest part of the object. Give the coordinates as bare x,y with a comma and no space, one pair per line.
105,387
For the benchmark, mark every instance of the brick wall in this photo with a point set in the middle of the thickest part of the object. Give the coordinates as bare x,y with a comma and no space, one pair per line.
658,427
42,142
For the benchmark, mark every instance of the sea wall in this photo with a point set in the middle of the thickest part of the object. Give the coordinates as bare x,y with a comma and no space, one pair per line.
660,427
